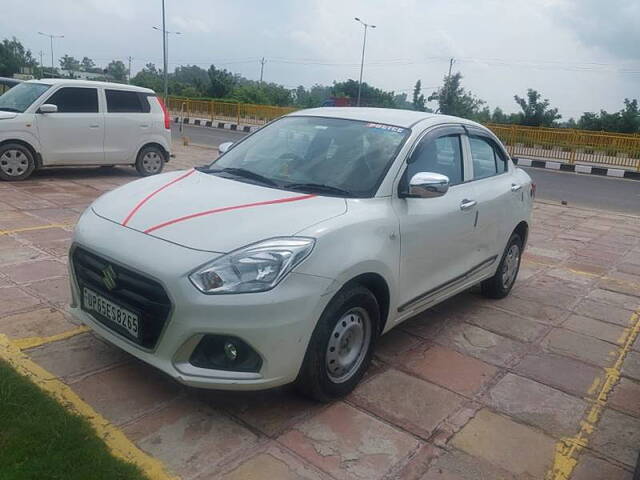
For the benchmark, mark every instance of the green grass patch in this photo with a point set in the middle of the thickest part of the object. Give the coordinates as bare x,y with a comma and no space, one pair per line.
39,439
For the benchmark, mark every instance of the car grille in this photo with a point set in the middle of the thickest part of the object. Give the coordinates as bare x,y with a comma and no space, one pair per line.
132,291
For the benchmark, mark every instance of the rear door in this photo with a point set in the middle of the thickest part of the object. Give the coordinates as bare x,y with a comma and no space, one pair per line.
495,193
74,135
127,121
437,234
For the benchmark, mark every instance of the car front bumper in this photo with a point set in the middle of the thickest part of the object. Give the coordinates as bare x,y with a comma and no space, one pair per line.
277,324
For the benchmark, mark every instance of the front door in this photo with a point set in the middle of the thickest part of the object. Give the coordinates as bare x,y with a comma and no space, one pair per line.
437,234
74,135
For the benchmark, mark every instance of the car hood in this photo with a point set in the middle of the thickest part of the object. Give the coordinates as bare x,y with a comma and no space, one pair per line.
7,115
207,212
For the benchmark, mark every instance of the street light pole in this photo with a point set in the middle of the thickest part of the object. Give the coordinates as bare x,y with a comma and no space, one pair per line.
164,53
51,37
165,47
364,44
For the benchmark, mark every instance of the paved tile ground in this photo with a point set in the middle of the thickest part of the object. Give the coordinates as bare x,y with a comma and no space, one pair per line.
473,389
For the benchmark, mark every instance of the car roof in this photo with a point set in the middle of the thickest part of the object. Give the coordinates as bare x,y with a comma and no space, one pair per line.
388,116
91,83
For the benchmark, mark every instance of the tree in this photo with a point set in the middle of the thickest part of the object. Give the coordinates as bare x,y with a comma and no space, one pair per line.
370,96
536,112
629,117
70,64
87,65
13,57
117,70
418,97
453,99
148,77
221,82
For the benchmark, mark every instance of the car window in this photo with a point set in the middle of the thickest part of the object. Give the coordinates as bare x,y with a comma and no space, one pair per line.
75,100
441,155
342,154
20,97
487,159
119,101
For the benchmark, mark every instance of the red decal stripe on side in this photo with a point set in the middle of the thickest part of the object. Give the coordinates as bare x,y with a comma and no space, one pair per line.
148,197
226,209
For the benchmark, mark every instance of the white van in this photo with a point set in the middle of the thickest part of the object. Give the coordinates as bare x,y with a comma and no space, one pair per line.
59,122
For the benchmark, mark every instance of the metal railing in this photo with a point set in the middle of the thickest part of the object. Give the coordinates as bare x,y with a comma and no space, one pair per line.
240,113
571,146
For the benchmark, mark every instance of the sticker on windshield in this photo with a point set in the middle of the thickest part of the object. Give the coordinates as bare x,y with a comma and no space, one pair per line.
390,128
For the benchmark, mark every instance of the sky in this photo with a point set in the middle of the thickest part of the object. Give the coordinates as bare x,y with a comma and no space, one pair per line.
583,55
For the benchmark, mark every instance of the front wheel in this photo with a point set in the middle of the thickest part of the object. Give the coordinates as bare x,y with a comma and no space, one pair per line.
16,162
502,282
150,161
341,346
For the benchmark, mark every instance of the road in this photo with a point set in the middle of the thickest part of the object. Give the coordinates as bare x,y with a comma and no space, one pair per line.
591,191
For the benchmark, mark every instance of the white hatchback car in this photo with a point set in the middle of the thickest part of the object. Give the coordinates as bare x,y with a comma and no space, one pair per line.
57,122
286,258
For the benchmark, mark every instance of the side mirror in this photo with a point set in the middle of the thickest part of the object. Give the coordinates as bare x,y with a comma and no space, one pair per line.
223,147
48,108
427,185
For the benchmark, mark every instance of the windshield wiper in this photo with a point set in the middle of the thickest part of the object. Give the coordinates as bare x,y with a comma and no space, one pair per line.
317,187
243,172
9,109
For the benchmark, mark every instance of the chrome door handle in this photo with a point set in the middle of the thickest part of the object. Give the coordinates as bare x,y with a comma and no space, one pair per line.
515,188
467,204
144,125
94,126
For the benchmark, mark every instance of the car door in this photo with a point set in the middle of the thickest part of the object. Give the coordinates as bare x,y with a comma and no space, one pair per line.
495,191
127,122
436,233
74,135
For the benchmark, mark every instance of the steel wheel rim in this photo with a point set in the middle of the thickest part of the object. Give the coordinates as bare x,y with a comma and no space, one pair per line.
511,264
14,163
348,345
151,162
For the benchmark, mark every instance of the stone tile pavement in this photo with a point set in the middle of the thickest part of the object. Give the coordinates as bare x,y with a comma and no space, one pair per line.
472,389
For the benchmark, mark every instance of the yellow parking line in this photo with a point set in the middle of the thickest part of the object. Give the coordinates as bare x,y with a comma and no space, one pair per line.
119,445
568,449
31,342
39,227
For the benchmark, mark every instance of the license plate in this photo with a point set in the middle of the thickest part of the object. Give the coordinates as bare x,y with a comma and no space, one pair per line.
126,319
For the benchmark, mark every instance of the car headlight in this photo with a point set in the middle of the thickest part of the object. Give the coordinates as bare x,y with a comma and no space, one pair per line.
254,268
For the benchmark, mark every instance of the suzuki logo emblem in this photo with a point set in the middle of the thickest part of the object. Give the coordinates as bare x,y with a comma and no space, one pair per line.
109,277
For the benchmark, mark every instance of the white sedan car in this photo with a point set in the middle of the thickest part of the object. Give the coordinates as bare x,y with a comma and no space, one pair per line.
286,258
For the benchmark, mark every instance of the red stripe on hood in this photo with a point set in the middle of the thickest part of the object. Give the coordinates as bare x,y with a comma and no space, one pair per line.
226,209
152,194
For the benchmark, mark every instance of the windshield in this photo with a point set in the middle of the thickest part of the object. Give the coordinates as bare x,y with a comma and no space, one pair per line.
321,155
18,98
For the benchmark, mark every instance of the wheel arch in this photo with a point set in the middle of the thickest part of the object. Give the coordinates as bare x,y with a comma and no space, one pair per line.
36,156
522,229
153,144
380,289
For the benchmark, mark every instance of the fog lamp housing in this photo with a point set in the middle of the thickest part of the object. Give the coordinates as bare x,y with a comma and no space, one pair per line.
223,352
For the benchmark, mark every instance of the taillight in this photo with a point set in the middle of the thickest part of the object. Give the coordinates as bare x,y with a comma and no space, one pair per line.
533,190
167,119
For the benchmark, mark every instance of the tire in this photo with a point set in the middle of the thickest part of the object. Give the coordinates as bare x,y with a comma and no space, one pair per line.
16,162
341,346
502,282
150,161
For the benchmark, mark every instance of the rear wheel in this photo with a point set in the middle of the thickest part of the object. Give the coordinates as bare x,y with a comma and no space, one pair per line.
16,162
502,282
150,160
341,346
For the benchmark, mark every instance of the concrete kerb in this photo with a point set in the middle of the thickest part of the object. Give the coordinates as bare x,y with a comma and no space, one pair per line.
117,443
577,168
201,122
